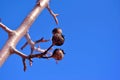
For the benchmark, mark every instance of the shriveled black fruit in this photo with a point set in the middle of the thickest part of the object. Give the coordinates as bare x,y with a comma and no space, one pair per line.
58,39
57,30
58,54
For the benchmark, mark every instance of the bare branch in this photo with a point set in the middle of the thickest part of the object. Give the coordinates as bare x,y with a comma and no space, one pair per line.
30,59
32,43
53,14
29,40
40,55
19,53
4,27
37,41
21,31
41,40
24,57
24,45
24,64
16,35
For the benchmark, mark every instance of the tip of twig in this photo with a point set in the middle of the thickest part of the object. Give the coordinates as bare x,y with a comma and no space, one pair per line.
55,18
56,22
24,64
57,15
30,62
0,19
21,48
24,69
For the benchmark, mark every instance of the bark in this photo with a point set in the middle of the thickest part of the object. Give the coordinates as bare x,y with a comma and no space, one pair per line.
16,35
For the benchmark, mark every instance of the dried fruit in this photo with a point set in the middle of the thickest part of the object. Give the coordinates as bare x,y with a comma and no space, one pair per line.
58,54
57,30
58,39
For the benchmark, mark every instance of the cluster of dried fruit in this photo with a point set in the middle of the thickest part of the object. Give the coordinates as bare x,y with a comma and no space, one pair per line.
58,40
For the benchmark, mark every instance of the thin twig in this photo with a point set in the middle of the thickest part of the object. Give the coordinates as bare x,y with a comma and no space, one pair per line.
32,43
29,57
41,40
24,57
48,49
53,14
37,41
19,53
39,55
24,45
4,27
24,64
29,40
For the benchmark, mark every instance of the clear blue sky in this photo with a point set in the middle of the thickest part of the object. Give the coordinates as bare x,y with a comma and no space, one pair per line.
92,46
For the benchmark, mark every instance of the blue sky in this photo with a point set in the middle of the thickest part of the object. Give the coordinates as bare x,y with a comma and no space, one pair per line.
91,29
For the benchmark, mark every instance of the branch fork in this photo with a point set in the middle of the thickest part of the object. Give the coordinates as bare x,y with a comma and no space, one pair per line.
53,14
16,35
32,43
29,57
5,28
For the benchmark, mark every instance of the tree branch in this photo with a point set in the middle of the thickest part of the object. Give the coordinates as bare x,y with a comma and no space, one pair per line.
19,53
24,64
32,44
21,31
4,27
53,14
16,35
24,45
29,57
